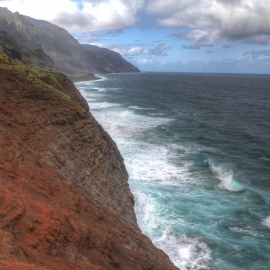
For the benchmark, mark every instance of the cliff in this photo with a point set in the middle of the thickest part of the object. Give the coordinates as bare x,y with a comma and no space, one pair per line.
69,56
108,61
65,202
27,56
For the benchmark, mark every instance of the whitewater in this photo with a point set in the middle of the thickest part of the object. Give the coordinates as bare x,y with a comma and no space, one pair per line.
196,147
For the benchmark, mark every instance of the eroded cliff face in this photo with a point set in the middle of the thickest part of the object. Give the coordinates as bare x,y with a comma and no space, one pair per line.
64,198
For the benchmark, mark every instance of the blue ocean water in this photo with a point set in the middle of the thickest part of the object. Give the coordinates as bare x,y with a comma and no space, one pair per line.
197,149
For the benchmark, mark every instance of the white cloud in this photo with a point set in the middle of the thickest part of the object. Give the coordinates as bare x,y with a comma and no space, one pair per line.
127,51
131,50
201,37
45,10
81,16
143,61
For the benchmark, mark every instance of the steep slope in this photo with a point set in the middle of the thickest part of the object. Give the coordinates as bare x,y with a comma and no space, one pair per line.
107,60
16,51
68,55
100,60
65,201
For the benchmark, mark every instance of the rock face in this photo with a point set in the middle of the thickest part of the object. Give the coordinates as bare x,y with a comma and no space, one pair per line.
69,56
27,56
65,202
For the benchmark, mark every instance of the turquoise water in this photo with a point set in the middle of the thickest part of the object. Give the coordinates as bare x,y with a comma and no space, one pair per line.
197,151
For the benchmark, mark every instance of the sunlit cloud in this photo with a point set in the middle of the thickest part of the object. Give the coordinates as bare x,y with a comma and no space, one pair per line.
81,16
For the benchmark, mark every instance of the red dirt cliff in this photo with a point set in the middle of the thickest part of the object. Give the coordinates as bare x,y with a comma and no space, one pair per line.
64,198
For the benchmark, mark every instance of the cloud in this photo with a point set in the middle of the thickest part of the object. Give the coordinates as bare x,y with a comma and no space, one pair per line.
255,54
89,38
257,39
143,61
133,51
201,37
158,50
227,63
83,15
195,46
216,19
262,52
206,22
138,49
46,10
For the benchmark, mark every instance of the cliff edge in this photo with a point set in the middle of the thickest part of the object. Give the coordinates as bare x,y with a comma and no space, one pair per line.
65,202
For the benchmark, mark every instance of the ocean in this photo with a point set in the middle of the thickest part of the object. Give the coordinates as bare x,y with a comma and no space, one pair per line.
197,150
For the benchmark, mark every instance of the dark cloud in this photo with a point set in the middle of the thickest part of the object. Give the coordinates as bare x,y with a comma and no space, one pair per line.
246,20
258,39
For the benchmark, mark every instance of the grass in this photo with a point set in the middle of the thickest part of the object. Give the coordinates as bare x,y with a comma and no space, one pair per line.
34,75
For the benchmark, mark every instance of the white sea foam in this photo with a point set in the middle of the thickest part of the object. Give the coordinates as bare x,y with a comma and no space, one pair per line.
156,114
86,83
266,222
264,158
225,174
247,230
139,108
102,105
149,162
144,161
186,252
102,90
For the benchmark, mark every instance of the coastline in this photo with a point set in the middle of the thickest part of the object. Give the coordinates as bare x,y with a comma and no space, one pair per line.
66,202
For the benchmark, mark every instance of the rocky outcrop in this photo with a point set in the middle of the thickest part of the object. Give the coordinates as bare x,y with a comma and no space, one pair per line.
65,202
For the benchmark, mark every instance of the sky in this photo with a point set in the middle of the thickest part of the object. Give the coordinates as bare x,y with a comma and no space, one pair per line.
226,36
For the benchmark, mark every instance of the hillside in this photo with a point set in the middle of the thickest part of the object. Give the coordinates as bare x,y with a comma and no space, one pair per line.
68,55
27,56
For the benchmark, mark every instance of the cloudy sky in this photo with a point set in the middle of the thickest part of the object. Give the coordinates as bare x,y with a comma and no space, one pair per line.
167,35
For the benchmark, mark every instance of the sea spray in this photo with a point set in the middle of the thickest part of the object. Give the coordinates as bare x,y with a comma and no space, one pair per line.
225,173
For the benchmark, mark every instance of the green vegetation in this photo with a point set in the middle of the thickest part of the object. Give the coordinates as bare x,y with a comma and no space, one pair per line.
34,75
4,58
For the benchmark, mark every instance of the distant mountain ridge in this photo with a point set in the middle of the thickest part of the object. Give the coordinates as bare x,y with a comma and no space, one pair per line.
69,56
